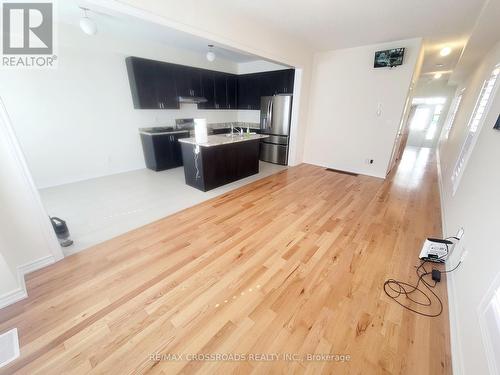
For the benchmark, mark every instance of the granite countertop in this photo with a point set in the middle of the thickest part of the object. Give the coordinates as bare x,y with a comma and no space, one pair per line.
227,125
160,130
223,139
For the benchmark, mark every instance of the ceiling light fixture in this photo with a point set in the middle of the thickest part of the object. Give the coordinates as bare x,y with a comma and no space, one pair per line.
445,51
438,75
87,25
210,53
439,65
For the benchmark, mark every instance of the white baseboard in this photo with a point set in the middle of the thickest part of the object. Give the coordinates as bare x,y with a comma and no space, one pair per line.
456,346
13,297
20,293
455,343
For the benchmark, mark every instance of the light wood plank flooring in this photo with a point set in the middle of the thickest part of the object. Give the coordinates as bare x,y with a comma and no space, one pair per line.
293,263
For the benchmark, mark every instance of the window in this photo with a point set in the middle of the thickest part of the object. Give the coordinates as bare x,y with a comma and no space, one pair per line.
474,127
453,113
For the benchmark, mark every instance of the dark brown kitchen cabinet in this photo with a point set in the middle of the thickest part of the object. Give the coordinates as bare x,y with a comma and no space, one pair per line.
207,90
167,90
249,91
158,85
142,78
220,91
152,84
232,92
162,151
251,87
187,80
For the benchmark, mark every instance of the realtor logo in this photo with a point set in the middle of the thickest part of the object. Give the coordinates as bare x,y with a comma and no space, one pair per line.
28,34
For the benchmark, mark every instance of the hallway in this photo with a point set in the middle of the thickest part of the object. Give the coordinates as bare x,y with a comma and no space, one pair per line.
292,263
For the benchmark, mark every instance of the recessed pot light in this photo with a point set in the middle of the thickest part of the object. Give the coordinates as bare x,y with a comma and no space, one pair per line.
438,75
445,51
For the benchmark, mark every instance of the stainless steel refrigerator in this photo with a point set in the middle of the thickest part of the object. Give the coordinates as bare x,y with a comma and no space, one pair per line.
275,116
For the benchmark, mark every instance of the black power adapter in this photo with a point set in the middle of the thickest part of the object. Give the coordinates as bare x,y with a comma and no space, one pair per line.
436,275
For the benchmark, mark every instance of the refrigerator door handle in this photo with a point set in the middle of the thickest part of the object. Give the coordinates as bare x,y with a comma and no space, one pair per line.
270,116
268,119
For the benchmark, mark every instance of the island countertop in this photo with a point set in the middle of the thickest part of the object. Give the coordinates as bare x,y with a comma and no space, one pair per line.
224,139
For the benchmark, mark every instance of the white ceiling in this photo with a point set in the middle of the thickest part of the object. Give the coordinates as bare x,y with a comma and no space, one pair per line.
130,27
484,36
333,24
323,25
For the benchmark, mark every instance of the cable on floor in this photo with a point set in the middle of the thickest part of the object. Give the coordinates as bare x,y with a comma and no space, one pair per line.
395,289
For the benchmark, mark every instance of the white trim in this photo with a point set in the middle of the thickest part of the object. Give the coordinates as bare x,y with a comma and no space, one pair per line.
51,241
481,310
12,297
455,343
15,345
467,149
21,293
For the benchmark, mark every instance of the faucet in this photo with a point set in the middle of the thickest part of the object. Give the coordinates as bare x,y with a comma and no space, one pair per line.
239,129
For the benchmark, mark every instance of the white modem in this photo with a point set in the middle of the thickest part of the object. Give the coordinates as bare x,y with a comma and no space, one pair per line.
435,250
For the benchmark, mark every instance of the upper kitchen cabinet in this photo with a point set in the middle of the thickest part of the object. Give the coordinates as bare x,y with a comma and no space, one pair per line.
158,85
167,90
251,87
248,91
232,91
142,76
187,80
220,90
152,84
276,82
284,81
207,89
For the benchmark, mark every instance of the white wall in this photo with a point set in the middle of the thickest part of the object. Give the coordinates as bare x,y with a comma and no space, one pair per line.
27,239
476,208
259,66
346,91
77,121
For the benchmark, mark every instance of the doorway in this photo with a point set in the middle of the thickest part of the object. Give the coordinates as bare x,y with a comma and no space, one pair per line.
425,124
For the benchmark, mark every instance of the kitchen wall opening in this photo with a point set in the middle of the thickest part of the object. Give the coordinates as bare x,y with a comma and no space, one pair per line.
105,143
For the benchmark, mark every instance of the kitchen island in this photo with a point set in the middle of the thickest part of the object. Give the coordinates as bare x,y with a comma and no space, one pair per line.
222,159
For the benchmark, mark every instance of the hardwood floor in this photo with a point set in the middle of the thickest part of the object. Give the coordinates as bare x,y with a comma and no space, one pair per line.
293,263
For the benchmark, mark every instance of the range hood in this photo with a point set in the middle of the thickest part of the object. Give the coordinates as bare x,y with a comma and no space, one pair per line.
192,99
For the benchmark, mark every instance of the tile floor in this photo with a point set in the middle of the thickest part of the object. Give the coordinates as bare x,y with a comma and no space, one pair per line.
102,208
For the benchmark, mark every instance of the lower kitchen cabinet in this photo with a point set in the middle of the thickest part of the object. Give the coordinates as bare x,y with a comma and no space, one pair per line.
162,151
